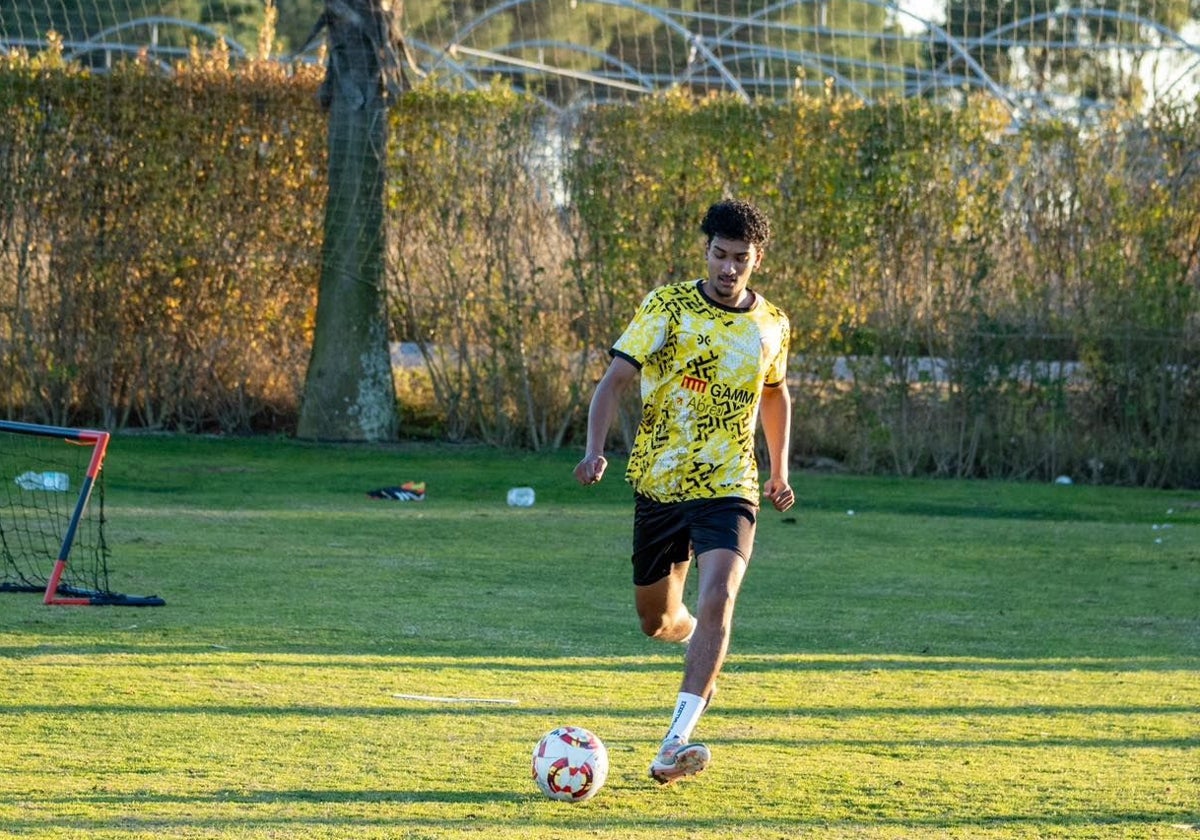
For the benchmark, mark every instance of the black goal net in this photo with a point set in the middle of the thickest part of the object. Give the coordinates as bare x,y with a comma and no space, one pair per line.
52,516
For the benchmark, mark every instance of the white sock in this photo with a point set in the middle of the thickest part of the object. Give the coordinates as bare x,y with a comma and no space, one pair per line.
688,710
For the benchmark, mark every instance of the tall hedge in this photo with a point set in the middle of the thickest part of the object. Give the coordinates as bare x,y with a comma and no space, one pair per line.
971,296
159,242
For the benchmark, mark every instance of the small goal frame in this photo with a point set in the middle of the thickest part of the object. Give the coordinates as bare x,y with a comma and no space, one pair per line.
55,593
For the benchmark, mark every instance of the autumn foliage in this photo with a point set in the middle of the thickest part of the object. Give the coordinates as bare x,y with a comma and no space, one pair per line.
971,296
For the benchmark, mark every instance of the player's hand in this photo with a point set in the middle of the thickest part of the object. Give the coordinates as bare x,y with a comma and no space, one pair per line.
779,493
591,469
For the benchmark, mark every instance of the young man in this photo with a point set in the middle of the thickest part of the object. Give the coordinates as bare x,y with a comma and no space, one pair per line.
712,359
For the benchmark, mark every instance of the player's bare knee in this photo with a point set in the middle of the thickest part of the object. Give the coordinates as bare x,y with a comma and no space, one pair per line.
717,595
716,606
655,626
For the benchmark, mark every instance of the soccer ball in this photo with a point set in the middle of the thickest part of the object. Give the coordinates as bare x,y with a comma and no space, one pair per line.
570,764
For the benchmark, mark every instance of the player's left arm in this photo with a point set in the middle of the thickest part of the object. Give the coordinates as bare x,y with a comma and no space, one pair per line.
775,412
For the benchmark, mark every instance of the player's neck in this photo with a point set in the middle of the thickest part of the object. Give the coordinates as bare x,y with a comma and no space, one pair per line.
743,299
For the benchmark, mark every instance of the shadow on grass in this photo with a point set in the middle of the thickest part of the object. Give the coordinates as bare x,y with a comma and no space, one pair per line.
550,819
473,658
953,713
357,795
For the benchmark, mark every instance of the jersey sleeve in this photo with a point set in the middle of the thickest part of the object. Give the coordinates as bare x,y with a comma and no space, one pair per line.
645,334
777,371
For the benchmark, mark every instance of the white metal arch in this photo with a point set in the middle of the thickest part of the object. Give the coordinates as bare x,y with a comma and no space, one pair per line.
997,37
718,48
657,14
106,38
935,31
703,57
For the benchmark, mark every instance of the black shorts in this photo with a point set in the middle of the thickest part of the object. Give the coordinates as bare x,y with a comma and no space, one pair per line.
668,533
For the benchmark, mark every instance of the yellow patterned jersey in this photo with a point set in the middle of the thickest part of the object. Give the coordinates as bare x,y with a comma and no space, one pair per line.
703,367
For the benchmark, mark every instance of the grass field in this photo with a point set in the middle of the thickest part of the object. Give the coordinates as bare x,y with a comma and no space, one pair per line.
952,659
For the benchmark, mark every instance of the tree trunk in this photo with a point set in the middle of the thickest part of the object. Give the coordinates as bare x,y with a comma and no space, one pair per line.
349,393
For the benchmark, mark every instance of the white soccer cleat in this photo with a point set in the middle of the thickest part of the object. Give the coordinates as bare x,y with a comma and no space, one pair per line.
677,760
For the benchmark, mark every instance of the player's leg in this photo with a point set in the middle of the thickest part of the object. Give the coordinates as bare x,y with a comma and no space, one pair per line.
721,574
660,606
661,558
723,538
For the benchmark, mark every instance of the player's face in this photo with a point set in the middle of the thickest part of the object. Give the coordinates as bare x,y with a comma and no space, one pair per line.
730,264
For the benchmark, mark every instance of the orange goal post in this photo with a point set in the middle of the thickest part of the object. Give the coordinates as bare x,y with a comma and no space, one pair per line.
52,516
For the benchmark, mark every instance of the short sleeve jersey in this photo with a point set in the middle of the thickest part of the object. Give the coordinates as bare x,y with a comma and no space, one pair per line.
703,368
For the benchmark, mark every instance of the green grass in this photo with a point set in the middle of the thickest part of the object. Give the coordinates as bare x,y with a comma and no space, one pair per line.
969,660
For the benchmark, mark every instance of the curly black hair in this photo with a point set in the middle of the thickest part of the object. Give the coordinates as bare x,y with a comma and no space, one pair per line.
734,219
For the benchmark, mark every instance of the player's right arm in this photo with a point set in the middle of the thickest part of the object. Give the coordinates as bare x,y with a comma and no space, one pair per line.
606,401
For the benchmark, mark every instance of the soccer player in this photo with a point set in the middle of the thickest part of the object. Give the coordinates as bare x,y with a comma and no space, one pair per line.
711,355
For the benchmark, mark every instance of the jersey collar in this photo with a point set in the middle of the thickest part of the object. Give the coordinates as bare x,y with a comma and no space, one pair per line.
753,299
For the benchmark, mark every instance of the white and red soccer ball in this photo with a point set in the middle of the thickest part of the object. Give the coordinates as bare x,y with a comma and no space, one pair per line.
570,764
